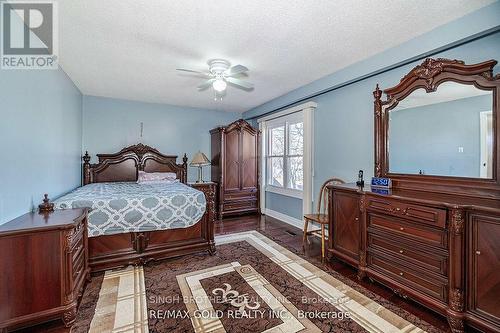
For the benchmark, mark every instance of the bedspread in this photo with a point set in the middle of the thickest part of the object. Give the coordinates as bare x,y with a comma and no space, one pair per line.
130,207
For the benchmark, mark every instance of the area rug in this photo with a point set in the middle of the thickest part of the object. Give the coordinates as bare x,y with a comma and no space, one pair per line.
252,284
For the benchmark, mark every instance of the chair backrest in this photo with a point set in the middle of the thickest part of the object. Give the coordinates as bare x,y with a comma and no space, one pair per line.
323,197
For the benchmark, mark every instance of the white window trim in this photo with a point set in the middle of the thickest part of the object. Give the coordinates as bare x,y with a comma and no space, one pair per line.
306,111
289,192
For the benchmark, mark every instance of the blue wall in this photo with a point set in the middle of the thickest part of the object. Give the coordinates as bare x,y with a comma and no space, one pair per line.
434,132
41,135
283,204
112,124
343,120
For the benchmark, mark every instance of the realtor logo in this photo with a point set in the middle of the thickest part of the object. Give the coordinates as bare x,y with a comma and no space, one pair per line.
29,35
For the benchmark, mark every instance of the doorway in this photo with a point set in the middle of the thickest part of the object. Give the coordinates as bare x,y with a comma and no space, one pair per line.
486,134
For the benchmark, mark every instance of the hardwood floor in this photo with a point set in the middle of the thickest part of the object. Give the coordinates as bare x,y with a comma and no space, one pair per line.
292,237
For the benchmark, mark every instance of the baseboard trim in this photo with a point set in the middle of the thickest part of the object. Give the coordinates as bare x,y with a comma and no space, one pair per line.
285,218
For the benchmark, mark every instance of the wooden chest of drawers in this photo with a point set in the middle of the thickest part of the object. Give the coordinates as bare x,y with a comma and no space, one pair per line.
442,253
44,267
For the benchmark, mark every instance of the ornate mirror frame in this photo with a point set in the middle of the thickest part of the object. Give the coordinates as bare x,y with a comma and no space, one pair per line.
429,75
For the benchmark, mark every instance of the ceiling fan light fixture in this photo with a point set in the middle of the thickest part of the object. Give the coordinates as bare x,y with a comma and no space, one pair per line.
219,85
219,73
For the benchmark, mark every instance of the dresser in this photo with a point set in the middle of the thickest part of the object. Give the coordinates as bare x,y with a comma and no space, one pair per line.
44,267
234,150
434,236
442,251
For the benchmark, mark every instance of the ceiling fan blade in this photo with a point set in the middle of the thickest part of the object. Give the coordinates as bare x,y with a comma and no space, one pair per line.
238,82
206,84
192,71
236,70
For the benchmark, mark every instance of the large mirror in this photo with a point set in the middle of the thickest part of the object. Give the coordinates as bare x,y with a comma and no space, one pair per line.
437,130
448,132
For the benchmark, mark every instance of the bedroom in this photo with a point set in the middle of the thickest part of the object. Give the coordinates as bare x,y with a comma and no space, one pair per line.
185,147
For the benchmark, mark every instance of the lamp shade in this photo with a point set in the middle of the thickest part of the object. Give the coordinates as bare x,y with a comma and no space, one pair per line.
199,159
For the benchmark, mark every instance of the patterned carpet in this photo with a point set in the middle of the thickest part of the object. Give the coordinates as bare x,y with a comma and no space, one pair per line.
252,284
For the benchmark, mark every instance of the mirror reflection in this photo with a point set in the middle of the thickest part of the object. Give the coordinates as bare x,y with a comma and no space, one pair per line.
448,132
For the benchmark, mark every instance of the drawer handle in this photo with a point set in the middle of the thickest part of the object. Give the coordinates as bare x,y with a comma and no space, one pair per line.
401,228
478,252
401,251
401,273
356,219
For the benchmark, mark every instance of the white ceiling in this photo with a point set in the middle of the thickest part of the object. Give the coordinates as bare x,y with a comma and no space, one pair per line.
130,48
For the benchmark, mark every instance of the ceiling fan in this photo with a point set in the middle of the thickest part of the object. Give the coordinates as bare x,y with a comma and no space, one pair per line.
219,75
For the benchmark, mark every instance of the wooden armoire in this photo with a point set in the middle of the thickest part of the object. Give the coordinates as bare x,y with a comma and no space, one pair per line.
235,168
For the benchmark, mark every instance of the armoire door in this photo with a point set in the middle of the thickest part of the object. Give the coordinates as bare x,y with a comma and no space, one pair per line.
248,161
484,267
232,161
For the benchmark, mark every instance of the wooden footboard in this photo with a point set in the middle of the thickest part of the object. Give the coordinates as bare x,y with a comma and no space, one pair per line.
134,248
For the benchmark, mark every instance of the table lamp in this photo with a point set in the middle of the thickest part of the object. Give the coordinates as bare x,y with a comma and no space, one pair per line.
199,160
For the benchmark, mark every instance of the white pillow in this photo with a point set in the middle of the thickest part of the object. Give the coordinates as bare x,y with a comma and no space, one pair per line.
164,182
147,177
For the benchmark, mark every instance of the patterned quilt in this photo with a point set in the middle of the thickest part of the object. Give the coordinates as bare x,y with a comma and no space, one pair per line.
131,207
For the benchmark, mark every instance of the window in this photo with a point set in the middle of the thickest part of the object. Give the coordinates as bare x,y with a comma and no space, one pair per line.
287,147
285,153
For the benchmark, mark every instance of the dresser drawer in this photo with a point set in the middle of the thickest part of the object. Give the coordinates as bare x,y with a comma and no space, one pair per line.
405,251
240,205
78,266
427,215
240,195
76,249
425,284
379,224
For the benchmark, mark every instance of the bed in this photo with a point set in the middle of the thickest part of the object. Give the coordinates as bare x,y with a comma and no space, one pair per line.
132,223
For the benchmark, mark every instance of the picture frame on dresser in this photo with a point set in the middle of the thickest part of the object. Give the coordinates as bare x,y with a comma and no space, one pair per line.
433,237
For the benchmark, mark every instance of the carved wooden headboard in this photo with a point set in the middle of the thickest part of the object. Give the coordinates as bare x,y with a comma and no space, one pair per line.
125,165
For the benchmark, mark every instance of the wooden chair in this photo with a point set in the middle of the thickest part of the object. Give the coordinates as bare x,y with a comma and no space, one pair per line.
321,216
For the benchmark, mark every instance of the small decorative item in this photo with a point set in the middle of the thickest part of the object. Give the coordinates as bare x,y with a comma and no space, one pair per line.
381,182
46,206
360,181
200,160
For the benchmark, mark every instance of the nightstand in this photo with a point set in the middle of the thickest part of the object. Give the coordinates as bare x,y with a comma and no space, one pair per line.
44,267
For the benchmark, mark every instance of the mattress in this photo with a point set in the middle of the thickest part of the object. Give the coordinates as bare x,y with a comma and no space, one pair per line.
130,207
